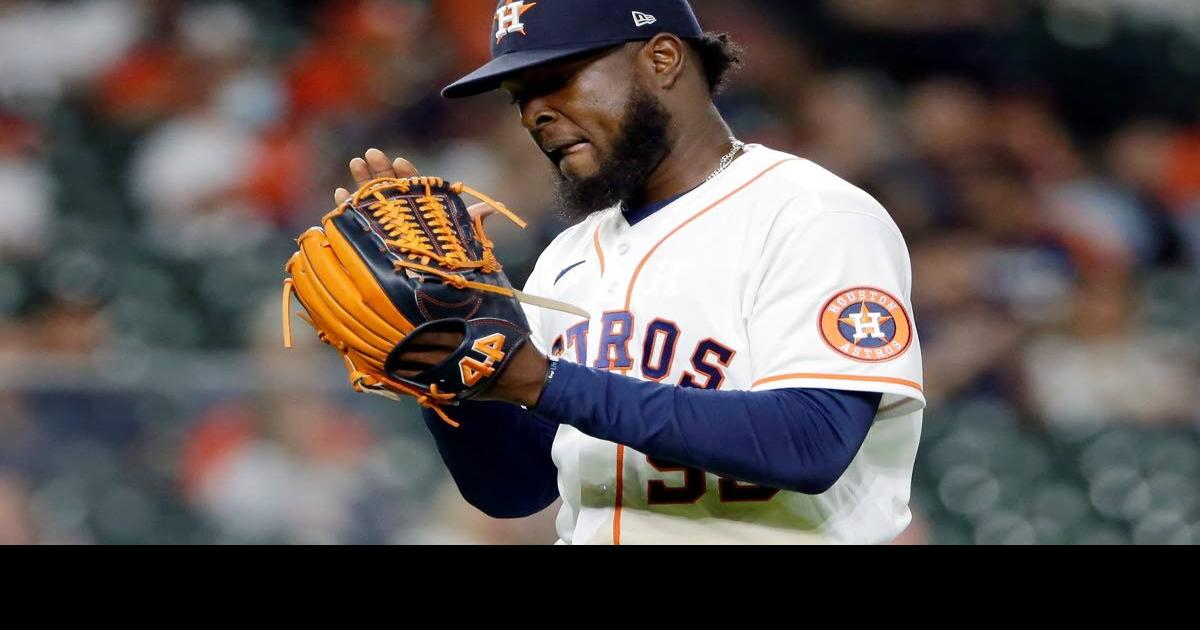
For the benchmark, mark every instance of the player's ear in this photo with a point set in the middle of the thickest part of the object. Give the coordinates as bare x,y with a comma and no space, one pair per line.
667,57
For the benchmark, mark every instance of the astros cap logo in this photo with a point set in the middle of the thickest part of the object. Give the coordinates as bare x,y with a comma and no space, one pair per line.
866,324
509,18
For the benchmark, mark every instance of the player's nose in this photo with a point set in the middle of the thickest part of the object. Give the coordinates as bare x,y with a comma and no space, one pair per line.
537,115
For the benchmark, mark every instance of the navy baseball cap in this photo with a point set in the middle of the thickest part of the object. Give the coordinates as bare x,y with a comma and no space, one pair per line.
529,33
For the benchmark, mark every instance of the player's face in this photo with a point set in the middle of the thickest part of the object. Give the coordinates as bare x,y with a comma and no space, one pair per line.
574,110
605,133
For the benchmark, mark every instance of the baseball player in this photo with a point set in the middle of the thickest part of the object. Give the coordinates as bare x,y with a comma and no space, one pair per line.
751,371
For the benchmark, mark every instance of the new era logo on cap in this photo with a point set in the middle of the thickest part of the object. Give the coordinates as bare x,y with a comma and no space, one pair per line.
643,19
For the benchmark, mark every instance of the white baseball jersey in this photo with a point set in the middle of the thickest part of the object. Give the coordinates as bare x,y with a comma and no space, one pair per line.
775,274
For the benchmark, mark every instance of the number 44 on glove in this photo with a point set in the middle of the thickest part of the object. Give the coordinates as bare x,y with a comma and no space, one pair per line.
402,258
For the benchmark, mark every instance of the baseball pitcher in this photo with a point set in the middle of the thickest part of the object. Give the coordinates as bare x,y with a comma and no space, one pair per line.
722,348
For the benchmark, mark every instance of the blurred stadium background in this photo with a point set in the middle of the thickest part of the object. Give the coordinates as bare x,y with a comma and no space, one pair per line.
157,158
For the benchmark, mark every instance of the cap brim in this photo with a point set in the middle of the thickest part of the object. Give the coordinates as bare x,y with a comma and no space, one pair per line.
489,77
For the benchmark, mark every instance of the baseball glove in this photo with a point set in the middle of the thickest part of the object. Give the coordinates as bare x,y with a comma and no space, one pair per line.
404,257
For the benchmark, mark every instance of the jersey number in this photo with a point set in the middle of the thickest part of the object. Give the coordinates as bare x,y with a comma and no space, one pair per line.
695,484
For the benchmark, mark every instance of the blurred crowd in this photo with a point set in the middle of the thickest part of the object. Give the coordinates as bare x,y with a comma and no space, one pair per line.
157,157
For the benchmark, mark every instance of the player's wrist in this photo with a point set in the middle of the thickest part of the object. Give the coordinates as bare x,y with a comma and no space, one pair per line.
552,364
523,381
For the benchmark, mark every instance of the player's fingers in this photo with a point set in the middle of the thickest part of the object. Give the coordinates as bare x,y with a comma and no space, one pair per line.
360,172
409,370
340,196
446,342
404,168
379,163
481,211
417,361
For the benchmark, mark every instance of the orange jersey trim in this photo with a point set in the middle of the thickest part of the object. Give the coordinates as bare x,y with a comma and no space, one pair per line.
629,300
620,495
599,250
841,377
638,272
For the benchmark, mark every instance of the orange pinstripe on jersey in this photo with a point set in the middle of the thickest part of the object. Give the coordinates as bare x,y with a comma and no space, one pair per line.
637,272
841,377
620,490
599,250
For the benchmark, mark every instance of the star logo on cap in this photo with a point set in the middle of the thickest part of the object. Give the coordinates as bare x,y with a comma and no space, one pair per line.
509,18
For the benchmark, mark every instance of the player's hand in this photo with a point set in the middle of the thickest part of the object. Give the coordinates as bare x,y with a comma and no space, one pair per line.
375,164
522,382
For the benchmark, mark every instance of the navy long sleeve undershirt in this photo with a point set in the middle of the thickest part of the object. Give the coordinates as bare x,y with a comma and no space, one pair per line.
793,439
499,457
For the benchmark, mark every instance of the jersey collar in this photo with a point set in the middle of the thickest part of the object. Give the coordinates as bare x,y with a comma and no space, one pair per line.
637,215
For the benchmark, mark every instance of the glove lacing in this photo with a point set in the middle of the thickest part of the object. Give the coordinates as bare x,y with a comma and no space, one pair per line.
398,218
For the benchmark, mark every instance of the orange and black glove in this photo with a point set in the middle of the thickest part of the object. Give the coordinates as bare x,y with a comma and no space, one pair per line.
403,258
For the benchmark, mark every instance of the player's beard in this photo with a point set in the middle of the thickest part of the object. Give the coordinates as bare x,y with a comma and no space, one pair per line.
641,145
